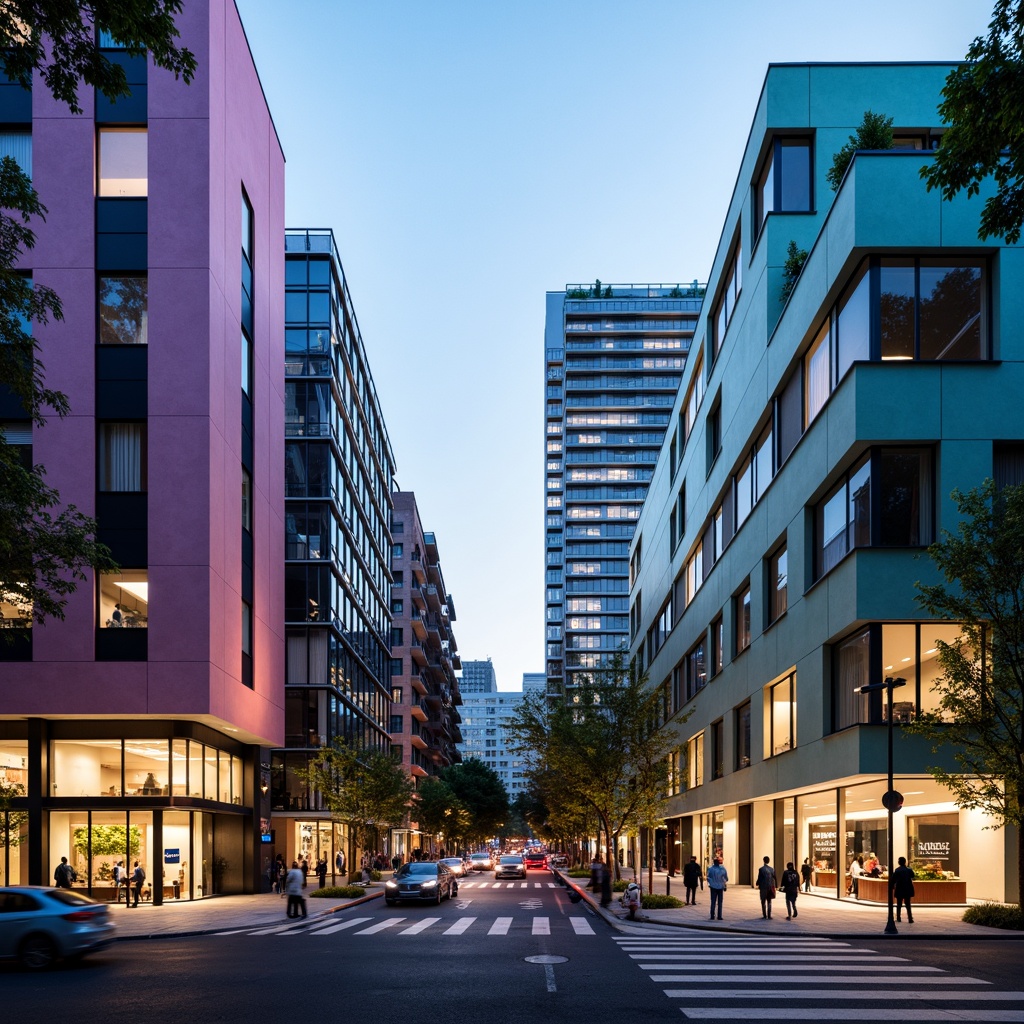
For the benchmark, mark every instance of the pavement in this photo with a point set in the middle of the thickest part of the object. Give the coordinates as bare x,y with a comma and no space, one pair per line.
817,915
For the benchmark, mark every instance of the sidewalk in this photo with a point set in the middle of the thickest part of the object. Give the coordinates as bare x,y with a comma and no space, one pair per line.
817,915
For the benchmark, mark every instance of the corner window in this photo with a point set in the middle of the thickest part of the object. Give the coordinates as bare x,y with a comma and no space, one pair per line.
121,449
784,184
124,599
123,168
124,310
742,609
780,716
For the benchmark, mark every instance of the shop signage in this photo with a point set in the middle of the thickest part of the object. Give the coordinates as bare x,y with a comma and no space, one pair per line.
938,845
172,856
823,844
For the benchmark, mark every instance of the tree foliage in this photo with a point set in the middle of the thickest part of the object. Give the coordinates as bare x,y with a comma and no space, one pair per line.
981,690
480,791
795,260
985,139
875,132
439,812
367,790
45,548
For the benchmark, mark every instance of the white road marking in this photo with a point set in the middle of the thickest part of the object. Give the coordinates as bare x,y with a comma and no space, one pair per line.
936,1015
804,966
419,926
895,996
460,926
790,979
541,926
340,927
379,927
581,926
501,926
549,977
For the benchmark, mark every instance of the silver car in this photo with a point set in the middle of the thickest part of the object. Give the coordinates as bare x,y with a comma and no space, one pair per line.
510,867
40,925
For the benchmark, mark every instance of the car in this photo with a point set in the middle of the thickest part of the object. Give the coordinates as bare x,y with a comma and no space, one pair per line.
456,865
510,867
480,862
534,859
40,925
557,861
423,880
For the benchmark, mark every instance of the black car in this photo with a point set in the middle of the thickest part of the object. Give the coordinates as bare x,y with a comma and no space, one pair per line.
431,881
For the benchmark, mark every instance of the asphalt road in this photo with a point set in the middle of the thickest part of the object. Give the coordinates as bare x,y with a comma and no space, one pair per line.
467,960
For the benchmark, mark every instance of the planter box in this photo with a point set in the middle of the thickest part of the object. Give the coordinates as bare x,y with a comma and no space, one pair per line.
926,892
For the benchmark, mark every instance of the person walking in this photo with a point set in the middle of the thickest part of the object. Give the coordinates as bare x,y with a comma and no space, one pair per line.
606,883
596,874
64,874
902,884
293,887
766,882
790,885
339,864
856,870
118,875
718,880
692,875
807,871
282,874
138,877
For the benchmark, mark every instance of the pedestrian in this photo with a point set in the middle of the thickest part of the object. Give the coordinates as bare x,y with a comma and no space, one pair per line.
396,862
856,870
339,863
64,874
596,872
294,883
305,872
766,882
806,870
138,877
718,882
692,875
321,871
118,876
790,885
282,874
902,884
606,883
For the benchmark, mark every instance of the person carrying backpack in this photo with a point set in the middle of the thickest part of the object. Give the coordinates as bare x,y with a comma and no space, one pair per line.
789,883
138,877
64,874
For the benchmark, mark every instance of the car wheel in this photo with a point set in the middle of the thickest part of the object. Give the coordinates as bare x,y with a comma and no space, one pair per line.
37,953
455,889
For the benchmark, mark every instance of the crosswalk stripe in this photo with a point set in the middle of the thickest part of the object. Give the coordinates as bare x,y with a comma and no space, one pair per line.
501,926
277,929
388,922
892,995
743,959
340,927
581,926
935,1015
460,926
795,979
541,926
837,967
419,926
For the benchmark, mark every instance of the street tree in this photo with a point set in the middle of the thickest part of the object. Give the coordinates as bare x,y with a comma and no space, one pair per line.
439,812
985,138
366,790
46,548
481,792
980,713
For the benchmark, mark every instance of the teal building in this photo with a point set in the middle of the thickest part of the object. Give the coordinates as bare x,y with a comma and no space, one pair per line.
812,449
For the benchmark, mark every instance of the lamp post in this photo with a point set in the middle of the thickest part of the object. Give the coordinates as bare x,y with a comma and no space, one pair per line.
892,801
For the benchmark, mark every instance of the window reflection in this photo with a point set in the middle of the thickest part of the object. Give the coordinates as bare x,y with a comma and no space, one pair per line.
123,306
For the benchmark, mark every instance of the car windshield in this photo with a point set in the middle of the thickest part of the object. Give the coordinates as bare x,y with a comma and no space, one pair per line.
511,860
481,856
417,868
452,860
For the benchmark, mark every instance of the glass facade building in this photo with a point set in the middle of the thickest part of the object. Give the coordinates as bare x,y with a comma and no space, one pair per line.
614,357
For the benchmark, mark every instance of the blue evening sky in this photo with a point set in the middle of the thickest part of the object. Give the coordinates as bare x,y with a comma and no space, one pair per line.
471,156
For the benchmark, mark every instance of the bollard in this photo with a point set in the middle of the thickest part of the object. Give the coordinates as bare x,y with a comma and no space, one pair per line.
668,885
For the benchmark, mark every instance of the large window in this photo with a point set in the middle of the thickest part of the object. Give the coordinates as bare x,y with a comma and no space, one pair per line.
123,169
717,749
695,760
18,146
122,457
780,716
124,599
742,715
784,184
901,515
124,310
741,605
696,670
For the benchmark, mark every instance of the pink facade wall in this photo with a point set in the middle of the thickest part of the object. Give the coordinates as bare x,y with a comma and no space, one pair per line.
207,141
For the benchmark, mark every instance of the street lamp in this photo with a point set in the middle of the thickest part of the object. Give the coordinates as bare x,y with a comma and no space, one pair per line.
892,801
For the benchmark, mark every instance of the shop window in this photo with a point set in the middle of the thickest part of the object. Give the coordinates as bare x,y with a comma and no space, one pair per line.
123,162
121,450
91,768
780,716
743,749
784,183
124,310
124,599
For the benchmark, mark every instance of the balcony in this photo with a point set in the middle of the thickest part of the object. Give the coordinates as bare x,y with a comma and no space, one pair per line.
419,710
419,599
419,626
418,684
433,597
419,572
419,654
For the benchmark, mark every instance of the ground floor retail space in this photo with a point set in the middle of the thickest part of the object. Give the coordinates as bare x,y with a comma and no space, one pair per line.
956,854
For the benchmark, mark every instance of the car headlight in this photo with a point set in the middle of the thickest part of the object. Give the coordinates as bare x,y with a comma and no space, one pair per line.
429,884
390,884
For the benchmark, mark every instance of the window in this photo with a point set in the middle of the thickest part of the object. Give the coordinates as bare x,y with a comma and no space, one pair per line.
399,579
717,645
743,736
397,550
397,636
123,307
122,457
124,599
396,691
714,435
693,399
725,305
18,146
1007,463
778,579
674,773
245,349
904,507
717,749
396,725
853,322
780,716
696,670
817,378
784,184
397,607
695,760
246,500
247,643
742,608
123,162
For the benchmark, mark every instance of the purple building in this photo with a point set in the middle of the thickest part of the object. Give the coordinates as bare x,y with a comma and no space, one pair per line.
133,729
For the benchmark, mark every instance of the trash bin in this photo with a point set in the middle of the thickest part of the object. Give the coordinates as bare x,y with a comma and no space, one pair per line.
176,886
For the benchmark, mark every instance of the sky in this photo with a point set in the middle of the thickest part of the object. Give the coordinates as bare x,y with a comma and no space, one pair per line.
471,156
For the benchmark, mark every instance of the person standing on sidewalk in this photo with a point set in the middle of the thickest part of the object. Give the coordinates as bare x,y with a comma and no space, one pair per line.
321,871
293,887
790,885
718,879
766,882
692,876
806,870
902,884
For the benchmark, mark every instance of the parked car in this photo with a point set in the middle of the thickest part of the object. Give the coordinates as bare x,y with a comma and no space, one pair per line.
480,862
456,865
534,859
426,880
557,860
40,925
510,867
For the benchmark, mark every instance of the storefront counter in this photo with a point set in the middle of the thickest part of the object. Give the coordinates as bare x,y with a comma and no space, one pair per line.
925,891
825,880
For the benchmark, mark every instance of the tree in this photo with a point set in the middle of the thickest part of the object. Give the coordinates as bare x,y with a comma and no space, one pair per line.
367,790
439,812
43,552
875,132
985,137
12,823
981,690
795,260
482,793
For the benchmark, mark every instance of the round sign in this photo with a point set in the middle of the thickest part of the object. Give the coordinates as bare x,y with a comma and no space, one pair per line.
893,800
